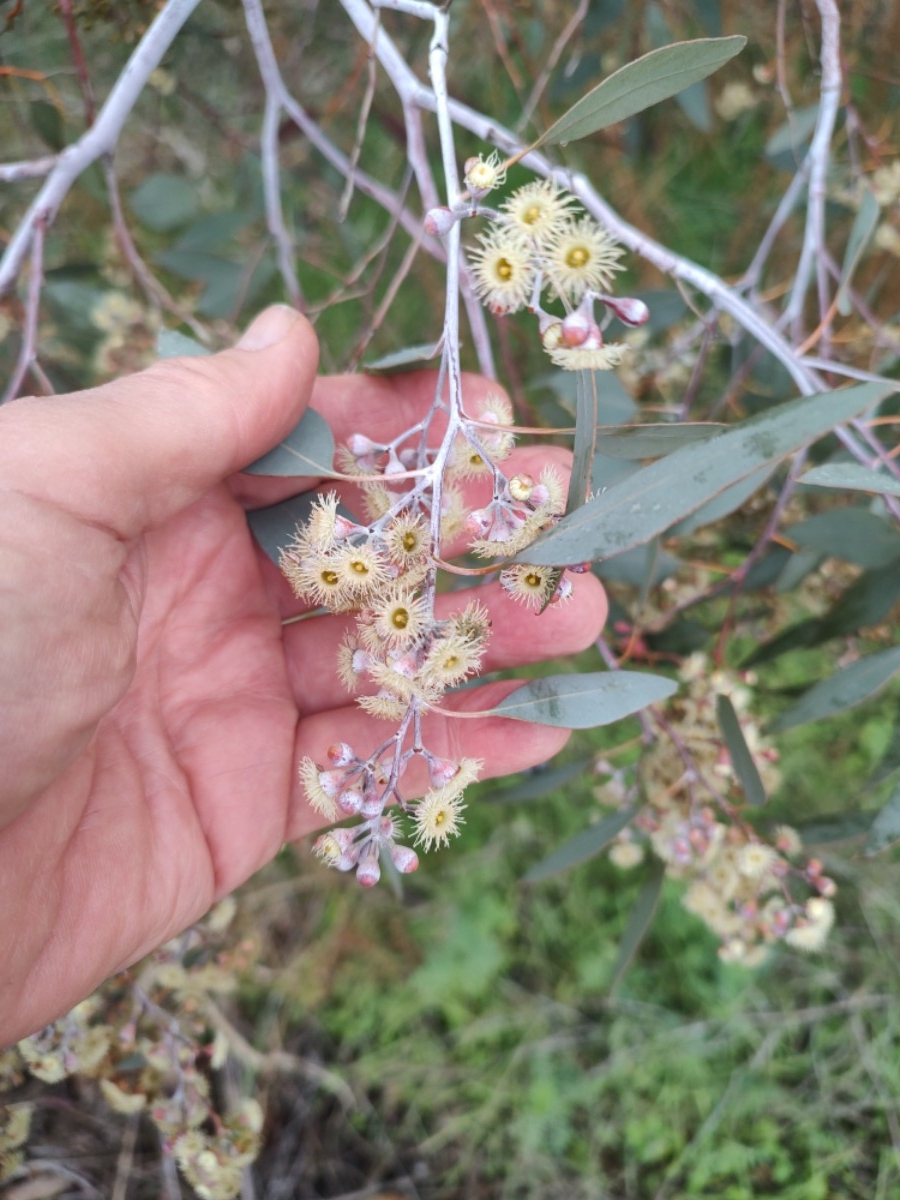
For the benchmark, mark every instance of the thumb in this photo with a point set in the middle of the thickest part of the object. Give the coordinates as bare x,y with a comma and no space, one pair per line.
130,454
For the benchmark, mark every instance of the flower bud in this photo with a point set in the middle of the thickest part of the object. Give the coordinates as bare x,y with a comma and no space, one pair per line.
331,782
405,859
350,802
442,770
478,522
372,805
628,310
575,329
439,221
552,335
341,754
369,871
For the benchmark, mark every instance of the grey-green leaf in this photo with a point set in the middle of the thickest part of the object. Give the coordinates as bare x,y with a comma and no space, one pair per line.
845,689
540,783
648,80
853,534
172,344
853,477
275,526
307,450
652,499
583,846
860,235
412,356
584,701
639,923
885,829
652,441
741,758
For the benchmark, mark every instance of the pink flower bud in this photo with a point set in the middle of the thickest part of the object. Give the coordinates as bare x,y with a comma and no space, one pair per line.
331,782
372,805
368,872
478,522
442,770
575,330
405,859
406,666
350,802
343,528
439,221
540,494
629,311
826,886
563,591
341,754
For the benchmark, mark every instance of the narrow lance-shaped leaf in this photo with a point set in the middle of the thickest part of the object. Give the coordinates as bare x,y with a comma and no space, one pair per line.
584,701
583,846
860,235
307,450
638,923
652,441
852,477
741,758
648,80
645,504
886,826
845,689
540,783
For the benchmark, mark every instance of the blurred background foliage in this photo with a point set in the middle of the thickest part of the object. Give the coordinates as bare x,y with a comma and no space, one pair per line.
477,1035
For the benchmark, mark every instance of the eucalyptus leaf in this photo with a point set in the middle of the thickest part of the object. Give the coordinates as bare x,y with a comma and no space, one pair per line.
583,846
845,689
412,356
172,344
164,202
307,450
652,441
860,235
741,758
639,923
790,137
541,782
853,534
648,80
584,701
652,499
866,601
853,477
885,829
274,527
724,504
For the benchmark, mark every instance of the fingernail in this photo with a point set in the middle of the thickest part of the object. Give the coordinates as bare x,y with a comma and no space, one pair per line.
268,328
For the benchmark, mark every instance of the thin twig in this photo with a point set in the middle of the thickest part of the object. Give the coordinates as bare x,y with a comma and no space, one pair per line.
99,140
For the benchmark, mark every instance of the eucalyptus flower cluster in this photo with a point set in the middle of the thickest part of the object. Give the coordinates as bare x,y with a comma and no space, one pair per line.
742,885
148,1045
400,657
540,242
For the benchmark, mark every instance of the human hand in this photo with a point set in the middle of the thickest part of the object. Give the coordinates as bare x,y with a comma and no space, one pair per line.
154,708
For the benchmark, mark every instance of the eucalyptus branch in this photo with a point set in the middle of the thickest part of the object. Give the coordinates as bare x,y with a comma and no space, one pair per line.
819,157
